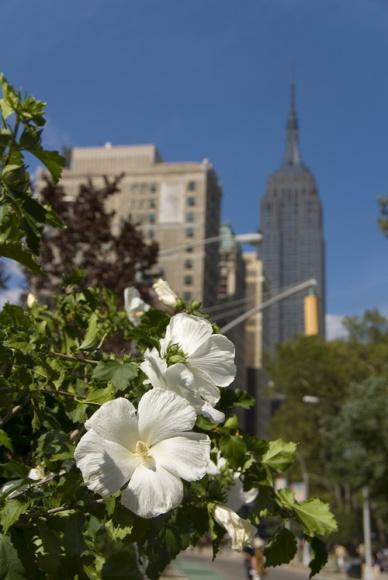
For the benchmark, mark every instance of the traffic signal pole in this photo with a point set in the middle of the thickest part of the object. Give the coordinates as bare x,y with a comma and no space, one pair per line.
312,283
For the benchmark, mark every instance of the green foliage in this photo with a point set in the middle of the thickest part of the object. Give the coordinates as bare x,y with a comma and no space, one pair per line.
279,456
52,386
11,567
320,556
22,217
281,549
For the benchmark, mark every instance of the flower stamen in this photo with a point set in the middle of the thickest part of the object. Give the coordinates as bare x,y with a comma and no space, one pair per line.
143,451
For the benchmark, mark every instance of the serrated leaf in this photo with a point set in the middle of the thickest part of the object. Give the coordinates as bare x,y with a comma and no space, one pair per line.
320,556
123,375
11,512
280,455
281,549
11,567
120,374
314,514
316,517
91,333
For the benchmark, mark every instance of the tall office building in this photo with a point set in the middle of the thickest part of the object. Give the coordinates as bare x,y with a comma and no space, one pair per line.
176,204
293,247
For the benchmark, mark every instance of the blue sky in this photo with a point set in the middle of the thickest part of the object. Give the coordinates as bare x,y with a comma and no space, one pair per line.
209,78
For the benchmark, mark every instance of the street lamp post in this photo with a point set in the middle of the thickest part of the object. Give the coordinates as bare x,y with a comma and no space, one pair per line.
368,571
250,238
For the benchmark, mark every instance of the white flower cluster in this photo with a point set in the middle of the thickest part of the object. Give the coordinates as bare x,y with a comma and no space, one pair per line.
147,453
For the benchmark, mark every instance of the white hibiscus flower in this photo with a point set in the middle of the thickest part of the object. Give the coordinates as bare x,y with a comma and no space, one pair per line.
241,531
165,293
149,452
134,305
206,360
178,379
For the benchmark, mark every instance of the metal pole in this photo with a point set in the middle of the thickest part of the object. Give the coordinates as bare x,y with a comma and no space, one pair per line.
254,239
368,571
281,296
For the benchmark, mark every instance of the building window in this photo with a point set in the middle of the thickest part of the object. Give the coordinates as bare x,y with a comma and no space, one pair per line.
187,296
151,218
189,249
188,280
189,233
192,186
188,264
190,217
153,188
152,203
191,201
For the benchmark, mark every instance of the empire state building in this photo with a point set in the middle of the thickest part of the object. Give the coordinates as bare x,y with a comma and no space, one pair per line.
293,247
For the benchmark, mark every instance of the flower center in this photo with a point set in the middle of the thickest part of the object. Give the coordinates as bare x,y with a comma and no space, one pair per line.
142,451
174,354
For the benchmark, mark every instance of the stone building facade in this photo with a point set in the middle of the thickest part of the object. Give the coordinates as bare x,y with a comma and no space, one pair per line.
176,204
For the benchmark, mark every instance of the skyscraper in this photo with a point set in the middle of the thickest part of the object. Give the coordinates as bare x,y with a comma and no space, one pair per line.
293,248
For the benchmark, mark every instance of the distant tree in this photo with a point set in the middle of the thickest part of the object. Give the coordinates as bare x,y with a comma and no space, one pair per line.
356,445
112,258
310,366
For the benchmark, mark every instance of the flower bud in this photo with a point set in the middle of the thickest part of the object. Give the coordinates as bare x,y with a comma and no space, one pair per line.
165,293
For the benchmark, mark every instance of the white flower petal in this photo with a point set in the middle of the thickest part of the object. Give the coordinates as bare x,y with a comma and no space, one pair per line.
240,531
189,332
237,497
105,465
215,357
206,387
165,293
116,421
155,368
163,414
212,414
134,305
152,491
186,456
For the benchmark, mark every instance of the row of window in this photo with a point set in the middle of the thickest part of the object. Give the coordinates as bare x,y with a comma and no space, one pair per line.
151,219
151,203
153,187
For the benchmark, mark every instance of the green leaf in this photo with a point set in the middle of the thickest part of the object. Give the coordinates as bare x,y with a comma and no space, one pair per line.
281,549
17,252
280,455
320,556
233,449
11,512
11,567
101,396
5,441
120,374
91,333
316,517
123,375
314,514
52,160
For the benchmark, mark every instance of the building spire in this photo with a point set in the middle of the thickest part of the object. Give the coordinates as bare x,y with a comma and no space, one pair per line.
292,152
